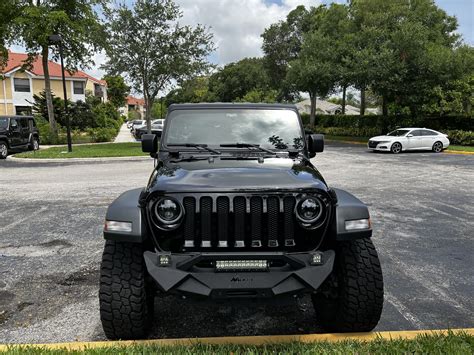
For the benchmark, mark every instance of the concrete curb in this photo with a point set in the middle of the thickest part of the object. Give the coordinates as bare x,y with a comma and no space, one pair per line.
77,160
246,340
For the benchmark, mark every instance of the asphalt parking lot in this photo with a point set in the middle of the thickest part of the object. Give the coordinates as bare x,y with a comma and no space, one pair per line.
51,217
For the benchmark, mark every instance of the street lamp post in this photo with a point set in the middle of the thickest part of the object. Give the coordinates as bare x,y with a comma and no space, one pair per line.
59,40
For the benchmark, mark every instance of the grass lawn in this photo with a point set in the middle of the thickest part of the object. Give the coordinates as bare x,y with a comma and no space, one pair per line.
87,151
459,343
464,148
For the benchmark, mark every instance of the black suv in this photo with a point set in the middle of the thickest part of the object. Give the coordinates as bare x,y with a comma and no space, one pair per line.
234,209
17,133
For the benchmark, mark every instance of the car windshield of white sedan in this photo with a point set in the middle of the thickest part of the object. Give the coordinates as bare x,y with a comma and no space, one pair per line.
272,129
398,132
3,123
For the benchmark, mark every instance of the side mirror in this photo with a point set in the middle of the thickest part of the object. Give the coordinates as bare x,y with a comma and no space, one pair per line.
149,143
409,135
315,144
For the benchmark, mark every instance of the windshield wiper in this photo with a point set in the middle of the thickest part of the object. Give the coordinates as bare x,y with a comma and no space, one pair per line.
248,145
195,145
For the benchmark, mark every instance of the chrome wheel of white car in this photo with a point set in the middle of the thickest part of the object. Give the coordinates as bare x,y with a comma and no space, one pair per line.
396,148
3,151
437,147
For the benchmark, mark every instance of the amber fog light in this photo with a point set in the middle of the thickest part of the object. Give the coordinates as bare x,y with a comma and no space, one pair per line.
116,226
357,224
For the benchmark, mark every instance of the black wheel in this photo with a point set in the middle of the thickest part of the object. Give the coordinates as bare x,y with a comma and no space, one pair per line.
3,150
396,148
351,299
126,297
437,147
34,144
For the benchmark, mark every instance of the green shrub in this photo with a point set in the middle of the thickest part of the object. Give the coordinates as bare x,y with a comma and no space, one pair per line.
102,134
347,131
459,137
388,123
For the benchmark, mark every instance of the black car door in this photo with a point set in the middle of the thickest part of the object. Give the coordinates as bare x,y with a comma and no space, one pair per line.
14,133
25,130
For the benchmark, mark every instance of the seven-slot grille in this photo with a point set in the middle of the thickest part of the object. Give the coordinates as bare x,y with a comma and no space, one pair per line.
239,222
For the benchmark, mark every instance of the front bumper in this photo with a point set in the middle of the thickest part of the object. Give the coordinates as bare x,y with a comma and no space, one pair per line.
185,275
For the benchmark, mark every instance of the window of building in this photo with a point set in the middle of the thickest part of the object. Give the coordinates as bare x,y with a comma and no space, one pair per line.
78,87
98,90
23,110
21,85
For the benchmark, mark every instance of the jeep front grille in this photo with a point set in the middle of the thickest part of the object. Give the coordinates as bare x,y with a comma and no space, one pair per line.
241,222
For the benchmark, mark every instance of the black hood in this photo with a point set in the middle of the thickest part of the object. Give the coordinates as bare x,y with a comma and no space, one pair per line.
235,175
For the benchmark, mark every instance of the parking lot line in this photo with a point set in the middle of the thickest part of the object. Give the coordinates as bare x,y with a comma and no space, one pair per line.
248,340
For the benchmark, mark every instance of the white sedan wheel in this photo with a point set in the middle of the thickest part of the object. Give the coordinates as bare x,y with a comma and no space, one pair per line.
396,148
437,147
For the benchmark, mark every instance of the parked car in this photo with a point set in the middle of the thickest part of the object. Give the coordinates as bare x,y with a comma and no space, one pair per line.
234,210
135,124
18,133
156,128
410,139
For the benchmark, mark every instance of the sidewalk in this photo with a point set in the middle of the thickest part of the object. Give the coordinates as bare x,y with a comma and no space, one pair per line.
124,135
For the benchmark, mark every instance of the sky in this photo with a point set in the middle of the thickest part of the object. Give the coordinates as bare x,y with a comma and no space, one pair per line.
238,24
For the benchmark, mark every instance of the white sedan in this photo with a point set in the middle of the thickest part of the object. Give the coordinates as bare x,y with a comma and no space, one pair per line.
410,139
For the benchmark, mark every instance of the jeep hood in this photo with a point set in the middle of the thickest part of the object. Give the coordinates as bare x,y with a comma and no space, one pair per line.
236,175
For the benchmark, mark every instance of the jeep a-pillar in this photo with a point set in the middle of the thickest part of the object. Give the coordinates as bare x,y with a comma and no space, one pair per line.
234,209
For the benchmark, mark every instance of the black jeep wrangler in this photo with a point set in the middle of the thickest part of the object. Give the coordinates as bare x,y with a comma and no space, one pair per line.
17,133
234,209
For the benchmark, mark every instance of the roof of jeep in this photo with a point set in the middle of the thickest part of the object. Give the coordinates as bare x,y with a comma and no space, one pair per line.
225,105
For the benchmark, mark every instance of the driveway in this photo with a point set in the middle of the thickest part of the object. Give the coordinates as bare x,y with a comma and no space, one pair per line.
51,217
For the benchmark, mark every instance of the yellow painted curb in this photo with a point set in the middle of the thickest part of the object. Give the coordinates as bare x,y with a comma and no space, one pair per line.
247,340
458,152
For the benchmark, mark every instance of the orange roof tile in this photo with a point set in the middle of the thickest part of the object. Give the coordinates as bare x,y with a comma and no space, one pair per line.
131,100
16,60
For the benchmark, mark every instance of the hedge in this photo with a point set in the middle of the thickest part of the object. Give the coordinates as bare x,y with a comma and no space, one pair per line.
456,137
382,124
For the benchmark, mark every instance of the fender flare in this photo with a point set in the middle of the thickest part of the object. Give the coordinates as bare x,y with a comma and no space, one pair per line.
349,208
126,209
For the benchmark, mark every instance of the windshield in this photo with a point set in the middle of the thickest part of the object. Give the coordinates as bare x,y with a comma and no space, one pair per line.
274,129
398,132
3,122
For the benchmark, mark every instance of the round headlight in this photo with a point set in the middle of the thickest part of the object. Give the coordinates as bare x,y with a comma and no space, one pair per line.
168,211
309,210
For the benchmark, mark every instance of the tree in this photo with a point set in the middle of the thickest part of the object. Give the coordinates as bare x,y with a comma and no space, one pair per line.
75,20
193,90
282,43
150,47
8,12
117,90
235,80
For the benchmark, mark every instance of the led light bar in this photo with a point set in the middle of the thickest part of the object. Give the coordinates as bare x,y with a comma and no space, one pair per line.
115,226
236,265
358,224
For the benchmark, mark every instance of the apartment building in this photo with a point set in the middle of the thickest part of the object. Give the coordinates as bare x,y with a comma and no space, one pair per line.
17,87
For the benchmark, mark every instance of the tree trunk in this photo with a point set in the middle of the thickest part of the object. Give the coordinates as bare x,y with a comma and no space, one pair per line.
344,89
384,106
47,91
312,115
362,101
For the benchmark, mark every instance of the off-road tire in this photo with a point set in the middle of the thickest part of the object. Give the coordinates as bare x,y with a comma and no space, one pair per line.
3,150
126,297
34,144
351,299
